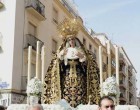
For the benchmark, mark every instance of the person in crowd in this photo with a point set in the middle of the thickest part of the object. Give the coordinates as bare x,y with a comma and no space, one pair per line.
2,107
106,103
35,107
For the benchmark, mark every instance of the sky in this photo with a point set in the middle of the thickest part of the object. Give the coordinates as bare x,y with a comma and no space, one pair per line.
119,20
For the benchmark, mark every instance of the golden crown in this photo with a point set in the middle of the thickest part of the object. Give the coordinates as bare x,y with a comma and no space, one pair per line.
69,27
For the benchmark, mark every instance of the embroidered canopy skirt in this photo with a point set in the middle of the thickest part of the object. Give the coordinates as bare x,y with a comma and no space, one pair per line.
73,82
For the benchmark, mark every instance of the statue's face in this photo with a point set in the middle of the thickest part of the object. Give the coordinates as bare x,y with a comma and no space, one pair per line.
71,41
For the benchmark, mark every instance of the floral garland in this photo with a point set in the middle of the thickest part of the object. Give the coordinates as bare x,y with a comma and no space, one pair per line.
34,87
110,87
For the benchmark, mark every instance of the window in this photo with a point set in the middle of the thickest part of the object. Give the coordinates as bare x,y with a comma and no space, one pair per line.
55,15
90,47
107,60
54,46
95,53
32,29
4,102
84,41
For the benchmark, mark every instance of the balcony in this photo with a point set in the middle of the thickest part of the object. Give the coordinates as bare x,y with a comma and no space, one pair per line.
69,7
122,97
131,101
122,84
36,8
113,64
130,80
130,68
122,70
131,90
1,4
121,59
32,41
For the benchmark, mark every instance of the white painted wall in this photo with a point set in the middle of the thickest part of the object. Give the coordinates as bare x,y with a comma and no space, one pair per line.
7,29
18,45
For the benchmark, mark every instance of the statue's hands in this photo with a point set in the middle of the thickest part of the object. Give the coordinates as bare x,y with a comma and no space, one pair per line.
79,55
65,51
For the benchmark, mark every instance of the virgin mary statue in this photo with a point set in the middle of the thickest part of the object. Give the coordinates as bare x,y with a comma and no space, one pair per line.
73,73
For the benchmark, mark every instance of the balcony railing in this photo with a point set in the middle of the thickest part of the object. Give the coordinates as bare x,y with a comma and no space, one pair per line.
68,7
131,89
122,67
130,68
122,70
36,8
113,63
122,95
32,41
122,59
130,79
131,101
122,83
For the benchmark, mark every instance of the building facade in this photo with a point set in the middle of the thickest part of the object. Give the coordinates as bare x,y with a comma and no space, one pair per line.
120,66
127,79
24,22
138,100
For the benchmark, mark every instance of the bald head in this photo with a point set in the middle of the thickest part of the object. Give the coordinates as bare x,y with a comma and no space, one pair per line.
35,107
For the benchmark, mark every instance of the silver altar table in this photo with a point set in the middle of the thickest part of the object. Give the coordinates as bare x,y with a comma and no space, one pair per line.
60,107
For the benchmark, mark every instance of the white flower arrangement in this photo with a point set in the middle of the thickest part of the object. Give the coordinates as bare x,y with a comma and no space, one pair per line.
34,87
110,87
